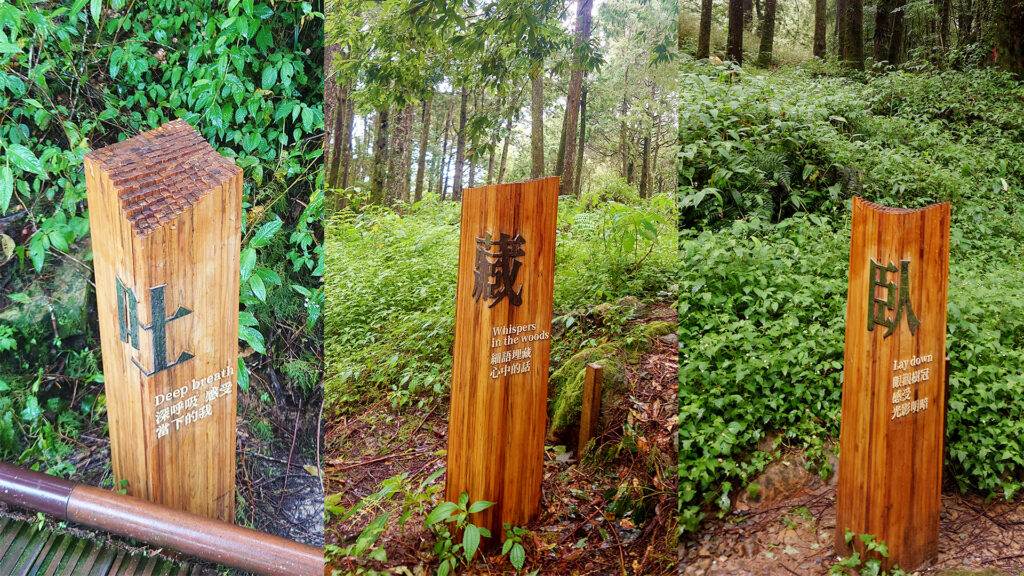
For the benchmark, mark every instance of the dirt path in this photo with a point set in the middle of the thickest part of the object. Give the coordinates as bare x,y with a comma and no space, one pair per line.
575,533
794,535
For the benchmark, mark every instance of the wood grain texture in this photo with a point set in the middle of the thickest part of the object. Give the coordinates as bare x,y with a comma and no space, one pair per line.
891,443
165,210
590,412
497,425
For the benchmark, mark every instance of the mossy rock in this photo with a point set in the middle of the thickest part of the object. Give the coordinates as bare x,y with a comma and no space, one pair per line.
566,385
642,337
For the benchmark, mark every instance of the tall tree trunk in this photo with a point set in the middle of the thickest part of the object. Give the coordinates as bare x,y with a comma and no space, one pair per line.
490,164
443,168
405,171
764,58
883,30
820,26
734,45
572,104
945,8
536,122
645,167
852,44
421,165
1009,49
397,168
346,150
460,149
623,129
578,178
895,54
504,150
335,106
842,25
704,36
560,157
748,15
380,153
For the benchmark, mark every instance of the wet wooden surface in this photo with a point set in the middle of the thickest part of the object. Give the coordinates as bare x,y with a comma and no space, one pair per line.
27,551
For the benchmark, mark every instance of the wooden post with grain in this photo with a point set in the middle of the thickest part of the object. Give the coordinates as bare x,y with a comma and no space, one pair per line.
590,412
893,412
502,346
165,214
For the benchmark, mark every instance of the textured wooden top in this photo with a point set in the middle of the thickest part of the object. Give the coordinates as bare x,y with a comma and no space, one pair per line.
158,174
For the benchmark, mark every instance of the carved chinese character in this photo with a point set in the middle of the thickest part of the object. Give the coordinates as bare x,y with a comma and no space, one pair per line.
128,322
896,297
494,274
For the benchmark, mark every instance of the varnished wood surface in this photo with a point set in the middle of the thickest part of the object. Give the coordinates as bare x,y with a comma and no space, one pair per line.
165,210
497,425
890,470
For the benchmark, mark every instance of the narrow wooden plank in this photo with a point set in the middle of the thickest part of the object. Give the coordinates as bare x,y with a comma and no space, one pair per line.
104,562
56,556
590,412
33,548
893,407
88,559
40,562
131,567
115,566
502,347
9,536
70,561
165,216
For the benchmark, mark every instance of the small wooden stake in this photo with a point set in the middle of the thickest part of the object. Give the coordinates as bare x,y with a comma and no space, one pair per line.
503,308
894,393
591,411
165,213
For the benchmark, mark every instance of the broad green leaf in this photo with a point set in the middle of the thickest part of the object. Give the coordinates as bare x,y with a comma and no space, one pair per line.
265,233
25,159
6,188
470,541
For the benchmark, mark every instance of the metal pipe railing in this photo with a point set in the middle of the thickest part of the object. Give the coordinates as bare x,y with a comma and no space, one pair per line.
203,538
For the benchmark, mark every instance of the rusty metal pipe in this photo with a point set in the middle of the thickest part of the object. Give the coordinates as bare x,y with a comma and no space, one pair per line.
210,540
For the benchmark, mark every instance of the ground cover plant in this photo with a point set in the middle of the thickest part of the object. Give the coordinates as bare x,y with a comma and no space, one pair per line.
390,283
76,76
769,160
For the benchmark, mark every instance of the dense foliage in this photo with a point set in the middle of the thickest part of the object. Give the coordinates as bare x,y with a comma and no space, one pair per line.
79,75
391,286
763,286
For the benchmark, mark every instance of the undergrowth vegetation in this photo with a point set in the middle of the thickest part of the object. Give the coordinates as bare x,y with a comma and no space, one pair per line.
769,162
391,279
76,76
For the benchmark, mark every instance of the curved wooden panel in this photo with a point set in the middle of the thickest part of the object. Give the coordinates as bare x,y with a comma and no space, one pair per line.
893,412
502,346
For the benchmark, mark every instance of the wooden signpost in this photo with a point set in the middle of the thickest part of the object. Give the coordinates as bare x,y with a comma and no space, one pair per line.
165,210
502,346
893,413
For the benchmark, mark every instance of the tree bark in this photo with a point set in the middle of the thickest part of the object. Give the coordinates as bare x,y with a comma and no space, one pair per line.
504,150
645,166
945,8
346,151
1009,50
704,36
883,30
421,165
536,122
820,26
764,58
380,153
398,169
405,162
443,166
842,27
572,104
895,55
460,149
851,43
748,15
734,44
578,178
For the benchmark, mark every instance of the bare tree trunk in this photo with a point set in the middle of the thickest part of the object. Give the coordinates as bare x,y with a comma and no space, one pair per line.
460,149
504,150
764,58
398,170
405,170
380,153
895,54
1009,49
421,165
852,43
734,45
945,8
578,178
883,30
748,15
842,25
536,122
572,104
820,27
645,167
704,36
443,168
490,165
346,150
